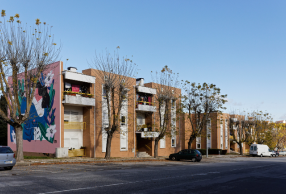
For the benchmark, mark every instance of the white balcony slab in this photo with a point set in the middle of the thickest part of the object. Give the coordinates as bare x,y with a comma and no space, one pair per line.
149,134
78,101
79,77
146,108
146,90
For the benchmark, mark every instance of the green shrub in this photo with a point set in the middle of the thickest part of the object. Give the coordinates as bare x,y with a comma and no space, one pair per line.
213,151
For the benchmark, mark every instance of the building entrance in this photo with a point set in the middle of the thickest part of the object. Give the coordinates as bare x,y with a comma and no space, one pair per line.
143,144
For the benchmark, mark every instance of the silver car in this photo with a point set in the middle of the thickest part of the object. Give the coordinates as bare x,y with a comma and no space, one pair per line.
7,158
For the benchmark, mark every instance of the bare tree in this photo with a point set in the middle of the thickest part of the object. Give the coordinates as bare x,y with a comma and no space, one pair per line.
240,129
260,124
115,73
25,53
166,81
199,102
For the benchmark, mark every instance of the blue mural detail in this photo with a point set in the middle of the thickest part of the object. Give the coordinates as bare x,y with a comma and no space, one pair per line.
41,123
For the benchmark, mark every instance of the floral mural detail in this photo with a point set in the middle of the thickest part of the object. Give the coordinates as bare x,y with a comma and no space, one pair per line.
13,137
41,125
49,79
51,131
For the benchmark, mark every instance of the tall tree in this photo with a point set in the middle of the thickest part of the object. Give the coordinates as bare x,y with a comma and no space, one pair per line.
114,73
240,129
260,124
25,53
3,124
199,101
166,81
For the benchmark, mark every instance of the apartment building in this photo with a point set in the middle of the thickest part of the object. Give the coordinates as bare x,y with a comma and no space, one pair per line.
215,135
70,111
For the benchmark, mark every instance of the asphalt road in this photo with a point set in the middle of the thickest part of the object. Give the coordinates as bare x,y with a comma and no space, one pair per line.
231,175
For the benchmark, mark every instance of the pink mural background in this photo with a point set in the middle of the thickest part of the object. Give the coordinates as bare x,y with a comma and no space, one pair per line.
37,142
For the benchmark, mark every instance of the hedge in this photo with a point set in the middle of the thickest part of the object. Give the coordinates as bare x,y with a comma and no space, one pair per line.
213,151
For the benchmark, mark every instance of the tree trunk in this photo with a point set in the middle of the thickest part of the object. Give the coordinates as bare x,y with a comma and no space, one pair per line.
190,142
156,148
19,144
108,146
240,149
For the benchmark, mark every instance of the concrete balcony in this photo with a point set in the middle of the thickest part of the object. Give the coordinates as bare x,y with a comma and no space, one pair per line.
145,108
149,134
146,90
78,100
70,75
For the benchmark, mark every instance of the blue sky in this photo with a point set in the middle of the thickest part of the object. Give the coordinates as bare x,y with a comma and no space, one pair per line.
238,45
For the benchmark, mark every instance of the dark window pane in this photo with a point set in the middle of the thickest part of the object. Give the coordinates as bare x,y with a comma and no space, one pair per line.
6,150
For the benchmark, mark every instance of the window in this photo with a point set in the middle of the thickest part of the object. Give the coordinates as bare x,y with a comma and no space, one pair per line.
104,93
162,143
173,103
251,148
255,148
173,142
221,134
122,120
184,151
74,116
5,150
226,134
66,116
198,142
140,120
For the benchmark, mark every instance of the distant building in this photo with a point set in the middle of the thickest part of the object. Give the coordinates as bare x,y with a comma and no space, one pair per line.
282,121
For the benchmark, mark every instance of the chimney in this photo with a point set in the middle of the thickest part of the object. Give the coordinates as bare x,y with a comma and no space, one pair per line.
73,69
140,82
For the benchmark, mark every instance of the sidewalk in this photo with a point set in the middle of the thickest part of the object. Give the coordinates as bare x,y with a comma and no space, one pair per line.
82,160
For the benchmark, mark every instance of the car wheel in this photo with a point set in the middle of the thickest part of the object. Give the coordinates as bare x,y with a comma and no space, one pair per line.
194,159
261,155
173,158
8,168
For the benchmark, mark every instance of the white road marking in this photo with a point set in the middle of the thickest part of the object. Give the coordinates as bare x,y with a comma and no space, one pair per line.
115,184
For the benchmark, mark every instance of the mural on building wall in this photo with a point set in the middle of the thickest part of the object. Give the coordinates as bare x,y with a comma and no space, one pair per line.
41,125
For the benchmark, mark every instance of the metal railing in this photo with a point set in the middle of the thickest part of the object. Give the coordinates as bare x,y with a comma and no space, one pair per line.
75,93
145,103
74,125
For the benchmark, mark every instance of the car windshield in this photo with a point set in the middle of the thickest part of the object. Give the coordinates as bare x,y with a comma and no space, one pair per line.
5,150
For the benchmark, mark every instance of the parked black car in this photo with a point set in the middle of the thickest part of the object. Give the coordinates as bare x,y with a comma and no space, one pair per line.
188,154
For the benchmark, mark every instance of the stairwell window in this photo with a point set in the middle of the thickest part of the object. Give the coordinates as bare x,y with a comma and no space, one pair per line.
123,120
198,142
173,103
173,142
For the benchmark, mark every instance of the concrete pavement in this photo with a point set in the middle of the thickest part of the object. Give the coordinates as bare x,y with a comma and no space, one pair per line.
213,175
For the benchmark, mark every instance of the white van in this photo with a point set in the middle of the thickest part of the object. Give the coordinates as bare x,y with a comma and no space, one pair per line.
260,150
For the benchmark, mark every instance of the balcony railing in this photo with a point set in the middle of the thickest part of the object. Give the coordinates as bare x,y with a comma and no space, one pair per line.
78,94
78,99
145,106
74,125
145,103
